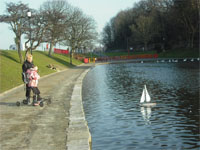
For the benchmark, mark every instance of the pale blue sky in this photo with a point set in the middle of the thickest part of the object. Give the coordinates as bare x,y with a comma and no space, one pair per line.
101,11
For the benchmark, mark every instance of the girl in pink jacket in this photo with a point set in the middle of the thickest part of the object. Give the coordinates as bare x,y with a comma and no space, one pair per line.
33,77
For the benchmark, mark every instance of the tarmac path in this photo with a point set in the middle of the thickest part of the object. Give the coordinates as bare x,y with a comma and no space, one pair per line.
39,128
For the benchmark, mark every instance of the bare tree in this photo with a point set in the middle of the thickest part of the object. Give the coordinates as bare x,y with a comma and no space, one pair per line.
144,28
55,16
108,36
79,32
188,14
15,17
35,29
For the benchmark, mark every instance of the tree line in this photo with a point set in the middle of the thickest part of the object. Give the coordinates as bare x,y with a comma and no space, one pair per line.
56,21
154,24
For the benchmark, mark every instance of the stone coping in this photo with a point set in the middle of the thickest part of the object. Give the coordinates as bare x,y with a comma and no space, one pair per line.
78,134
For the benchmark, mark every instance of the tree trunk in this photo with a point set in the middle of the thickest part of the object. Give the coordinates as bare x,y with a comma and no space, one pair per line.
145,46
71,56
192,40
18,42
50,49
20,56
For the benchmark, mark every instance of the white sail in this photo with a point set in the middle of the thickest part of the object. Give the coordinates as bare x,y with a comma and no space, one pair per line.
142,99
145,96
148,98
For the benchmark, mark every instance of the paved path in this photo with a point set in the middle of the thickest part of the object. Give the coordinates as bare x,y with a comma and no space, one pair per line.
39,128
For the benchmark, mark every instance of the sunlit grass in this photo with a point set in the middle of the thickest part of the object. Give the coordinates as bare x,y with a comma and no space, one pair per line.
10,68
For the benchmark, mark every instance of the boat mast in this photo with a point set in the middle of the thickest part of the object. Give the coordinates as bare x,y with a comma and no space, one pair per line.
145,97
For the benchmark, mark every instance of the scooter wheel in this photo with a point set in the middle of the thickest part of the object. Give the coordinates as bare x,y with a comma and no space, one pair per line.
25,102
18,103
41,104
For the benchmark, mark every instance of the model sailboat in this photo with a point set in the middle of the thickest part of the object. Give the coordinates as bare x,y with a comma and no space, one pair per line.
145,99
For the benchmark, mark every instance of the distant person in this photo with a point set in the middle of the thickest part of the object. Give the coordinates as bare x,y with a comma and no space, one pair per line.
28,64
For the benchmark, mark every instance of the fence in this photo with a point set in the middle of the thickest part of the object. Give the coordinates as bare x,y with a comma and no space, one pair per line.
61,51
139,56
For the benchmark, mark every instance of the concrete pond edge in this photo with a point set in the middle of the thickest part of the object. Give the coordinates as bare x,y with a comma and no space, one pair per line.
78,134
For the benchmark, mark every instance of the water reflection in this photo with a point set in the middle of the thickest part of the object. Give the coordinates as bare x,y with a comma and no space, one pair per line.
111,95
146,114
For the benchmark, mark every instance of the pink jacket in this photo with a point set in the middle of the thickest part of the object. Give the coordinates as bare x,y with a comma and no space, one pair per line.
33,77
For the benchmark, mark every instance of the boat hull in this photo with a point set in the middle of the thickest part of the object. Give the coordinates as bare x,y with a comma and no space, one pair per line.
148,104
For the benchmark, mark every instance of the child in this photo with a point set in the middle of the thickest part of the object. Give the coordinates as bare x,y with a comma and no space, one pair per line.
33,84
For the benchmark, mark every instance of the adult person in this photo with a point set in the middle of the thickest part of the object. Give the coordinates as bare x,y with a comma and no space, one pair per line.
28,64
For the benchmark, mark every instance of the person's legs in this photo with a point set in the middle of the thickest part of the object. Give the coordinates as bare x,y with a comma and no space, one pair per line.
28,90
38,94
35,95
28,93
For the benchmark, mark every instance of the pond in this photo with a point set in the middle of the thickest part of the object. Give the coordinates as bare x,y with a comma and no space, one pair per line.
111,95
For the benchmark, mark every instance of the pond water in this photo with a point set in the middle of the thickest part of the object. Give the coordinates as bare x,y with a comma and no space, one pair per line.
111,95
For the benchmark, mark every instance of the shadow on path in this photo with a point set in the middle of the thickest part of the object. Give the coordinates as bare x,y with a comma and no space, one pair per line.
8,104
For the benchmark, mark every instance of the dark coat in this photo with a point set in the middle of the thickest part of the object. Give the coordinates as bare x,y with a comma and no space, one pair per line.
27,65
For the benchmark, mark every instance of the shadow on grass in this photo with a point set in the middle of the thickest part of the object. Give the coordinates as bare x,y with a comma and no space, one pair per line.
6,54
64,62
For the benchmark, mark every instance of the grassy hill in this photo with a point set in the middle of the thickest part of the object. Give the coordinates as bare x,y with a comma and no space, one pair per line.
174,53
180,53
10,68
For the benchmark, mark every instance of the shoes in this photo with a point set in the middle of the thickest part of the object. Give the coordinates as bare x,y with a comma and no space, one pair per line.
36,103
27,101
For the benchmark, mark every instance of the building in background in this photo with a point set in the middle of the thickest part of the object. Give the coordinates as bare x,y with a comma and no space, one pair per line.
14,46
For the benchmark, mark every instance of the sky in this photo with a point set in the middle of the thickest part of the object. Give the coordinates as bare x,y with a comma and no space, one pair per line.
100,10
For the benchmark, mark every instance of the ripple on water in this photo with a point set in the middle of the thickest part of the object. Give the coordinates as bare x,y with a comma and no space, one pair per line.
111,94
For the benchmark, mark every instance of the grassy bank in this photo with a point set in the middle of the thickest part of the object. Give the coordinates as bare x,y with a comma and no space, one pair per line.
175,53
126,53
10,68
180,53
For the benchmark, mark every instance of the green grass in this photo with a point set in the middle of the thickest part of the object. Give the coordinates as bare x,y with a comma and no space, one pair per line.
126,53
180,53
175,53
10,68
90,55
